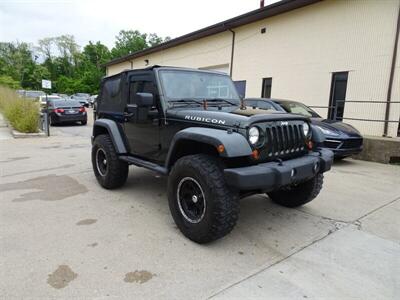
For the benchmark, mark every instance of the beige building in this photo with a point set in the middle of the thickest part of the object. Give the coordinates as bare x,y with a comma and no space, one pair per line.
317,52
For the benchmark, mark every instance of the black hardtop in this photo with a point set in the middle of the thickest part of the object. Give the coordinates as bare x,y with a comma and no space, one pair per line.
157,67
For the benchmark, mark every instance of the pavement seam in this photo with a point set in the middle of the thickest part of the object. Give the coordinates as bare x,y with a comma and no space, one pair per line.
279,261
378,208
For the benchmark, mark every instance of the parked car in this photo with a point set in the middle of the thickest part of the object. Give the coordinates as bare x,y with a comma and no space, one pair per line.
42,99
62,111
343,139
92,100
189,124
64,96
30,94
82,98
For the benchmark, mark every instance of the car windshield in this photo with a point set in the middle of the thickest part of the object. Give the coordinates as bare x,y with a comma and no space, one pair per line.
298,108
181,85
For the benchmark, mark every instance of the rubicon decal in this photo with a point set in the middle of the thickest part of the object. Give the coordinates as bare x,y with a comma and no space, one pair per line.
207,120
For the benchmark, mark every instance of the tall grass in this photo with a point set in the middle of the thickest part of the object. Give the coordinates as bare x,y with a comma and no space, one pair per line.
23,114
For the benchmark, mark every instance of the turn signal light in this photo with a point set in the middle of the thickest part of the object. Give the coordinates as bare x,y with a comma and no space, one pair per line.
255,154
310,145
221,148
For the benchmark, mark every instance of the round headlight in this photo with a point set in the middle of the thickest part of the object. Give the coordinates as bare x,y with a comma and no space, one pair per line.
306,129
254,135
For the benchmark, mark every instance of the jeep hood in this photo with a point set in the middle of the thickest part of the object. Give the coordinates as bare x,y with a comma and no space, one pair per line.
229,116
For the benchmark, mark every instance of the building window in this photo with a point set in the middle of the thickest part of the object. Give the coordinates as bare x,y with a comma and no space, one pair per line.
241,87
338,95
266,87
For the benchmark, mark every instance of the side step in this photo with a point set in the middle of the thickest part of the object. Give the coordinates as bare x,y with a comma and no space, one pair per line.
144,164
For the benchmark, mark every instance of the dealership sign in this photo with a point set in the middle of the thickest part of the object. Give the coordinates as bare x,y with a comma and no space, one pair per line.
46,84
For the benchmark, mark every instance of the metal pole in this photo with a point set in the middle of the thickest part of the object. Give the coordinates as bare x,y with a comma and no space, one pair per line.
47,121
392,69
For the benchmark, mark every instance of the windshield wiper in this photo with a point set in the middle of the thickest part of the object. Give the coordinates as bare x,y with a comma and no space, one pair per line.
220,100
186,101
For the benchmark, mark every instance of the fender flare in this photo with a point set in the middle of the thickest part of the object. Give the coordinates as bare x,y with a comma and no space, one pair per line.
115,134
235,144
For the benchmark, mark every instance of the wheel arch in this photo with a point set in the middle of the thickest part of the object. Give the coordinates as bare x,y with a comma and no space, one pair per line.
196,140
110,127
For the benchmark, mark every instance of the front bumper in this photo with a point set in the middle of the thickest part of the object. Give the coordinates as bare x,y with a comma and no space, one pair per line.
344,147
273,175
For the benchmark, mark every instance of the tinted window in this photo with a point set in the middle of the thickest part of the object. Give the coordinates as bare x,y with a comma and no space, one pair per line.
111,90
66,103
298,108
260,104
140,87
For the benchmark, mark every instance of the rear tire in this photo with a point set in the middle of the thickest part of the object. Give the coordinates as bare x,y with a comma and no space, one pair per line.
300,194
110,171
201,204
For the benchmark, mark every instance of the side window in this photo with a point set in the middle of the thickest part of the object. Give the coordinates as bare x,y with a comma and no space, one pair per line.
140,87
111,93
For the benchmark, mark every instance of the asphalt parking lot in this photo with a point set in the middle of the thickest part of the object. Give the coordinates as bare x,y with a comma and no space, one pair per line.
64,237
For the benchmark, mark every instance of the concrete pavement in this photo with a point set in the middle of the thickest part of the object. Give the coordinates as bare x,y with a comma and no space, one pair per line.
64,237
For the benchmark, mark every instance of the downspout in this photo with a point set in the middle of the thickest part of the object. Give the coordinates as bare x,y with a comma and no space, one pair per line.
232,52
391,78
131,64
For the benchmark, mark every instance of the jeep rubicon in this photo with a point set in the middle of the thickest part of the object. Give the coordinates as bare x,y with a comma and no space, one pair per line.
192,126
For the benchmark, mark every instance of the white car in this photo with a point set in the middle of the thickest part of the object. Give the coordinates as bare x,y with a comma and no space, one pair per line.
42,99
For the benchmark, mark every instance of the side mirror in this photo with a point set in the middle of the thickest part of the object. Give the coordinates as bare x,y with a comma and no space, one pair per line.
144,99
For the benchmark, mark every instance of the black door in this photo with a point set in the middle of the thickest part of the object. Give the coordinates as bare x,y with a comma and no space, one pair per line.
142,130
338,95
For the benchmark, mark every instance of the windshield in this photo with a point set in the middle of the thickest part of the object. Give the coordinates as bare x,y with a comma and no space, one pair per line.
178,84
298,108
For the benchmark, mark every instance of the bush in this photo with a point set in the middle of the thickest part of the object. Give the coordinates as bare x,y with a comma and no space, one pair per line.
23,114
8,81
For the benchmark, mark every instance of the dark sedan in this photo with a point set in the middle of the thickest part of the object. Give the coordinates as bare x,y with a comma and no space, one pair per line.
343,139
64,111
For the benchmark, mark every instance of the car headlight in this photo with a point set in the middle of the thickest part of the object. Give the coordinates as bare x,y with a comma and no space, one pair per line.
254,135
327,131
306,129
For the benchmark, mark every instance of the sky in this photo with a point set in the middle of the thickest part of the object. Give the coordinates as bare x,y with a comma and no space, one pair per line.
101,20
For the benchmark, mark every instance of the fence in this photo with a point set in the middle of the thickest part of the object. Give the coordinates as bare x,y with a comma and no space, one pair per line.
363,111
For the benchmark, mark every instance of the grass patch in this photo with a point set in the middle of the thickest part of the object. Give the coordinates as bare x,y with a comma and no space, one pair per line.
23,114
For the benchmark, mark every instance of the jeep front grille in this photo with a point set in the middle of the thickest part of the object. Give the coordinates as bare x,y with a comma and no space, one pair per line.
284,140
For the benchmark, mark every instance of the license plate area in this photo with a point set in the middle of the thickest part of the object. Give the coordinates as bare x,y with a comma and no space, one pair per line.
71,111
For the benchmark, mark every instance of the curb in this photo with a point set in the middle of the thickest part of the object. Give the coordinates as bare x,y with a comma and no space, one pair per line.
21,135
16,134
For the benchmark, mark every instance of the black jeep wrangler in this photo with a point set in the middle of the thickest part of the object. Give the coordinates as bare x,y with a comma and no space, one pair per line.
192,126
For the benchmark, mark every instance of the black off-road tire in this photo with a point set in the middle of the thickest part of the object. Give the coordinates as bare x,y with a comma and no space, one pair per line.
221,203
300,194
84,122
116,171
